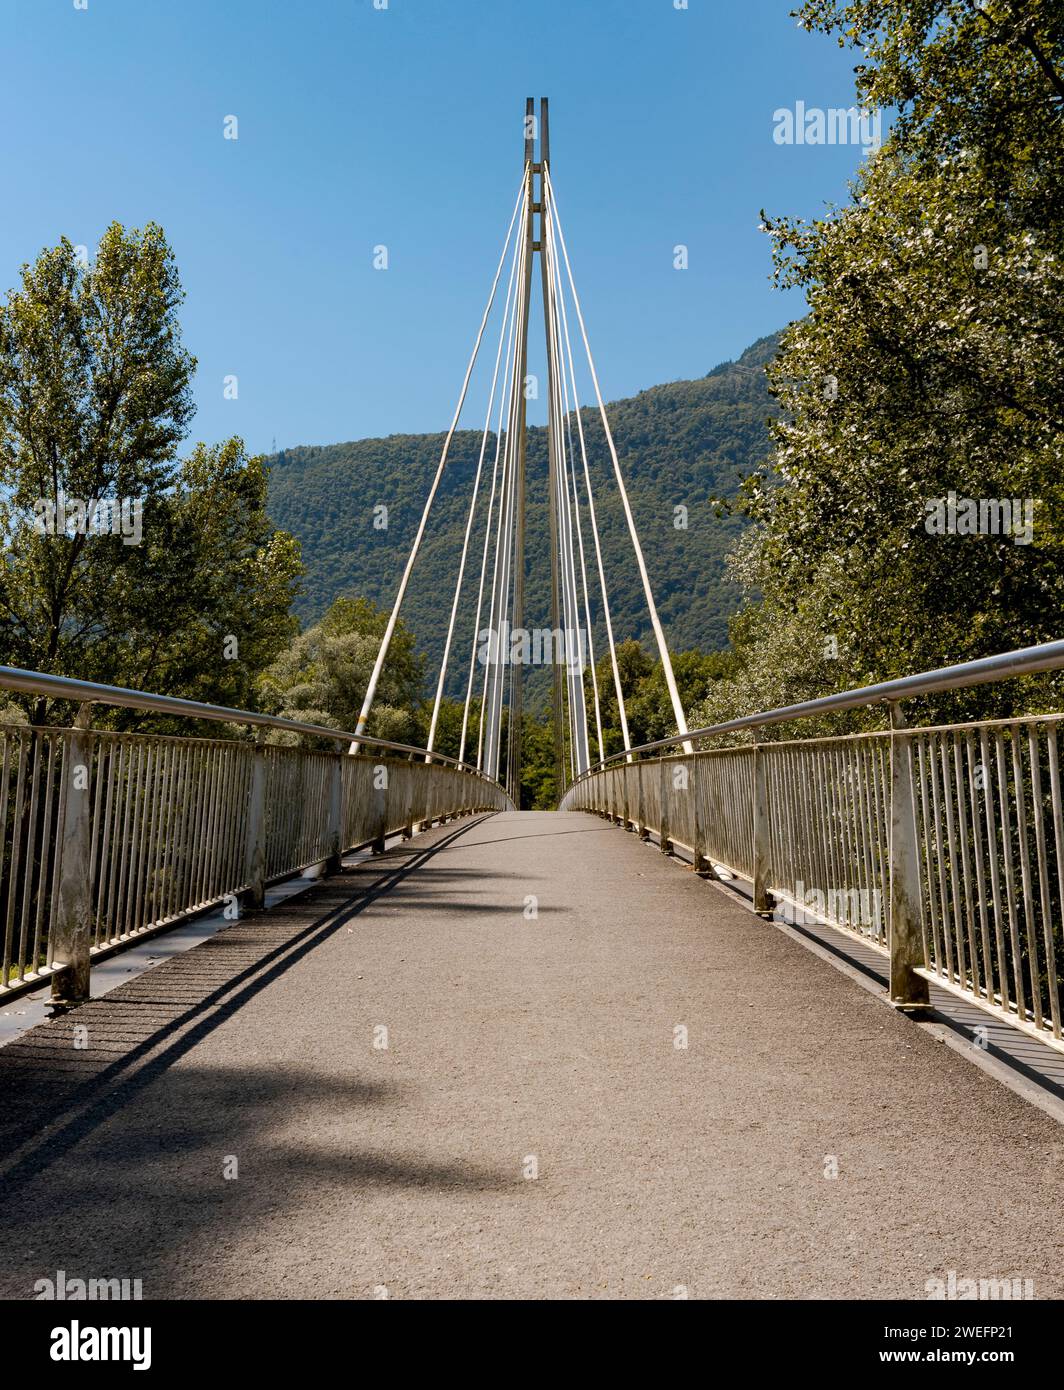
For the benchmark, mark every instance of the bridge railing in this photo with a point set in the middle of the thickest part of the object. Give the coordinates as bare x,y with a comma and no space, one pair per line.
941,846
105,836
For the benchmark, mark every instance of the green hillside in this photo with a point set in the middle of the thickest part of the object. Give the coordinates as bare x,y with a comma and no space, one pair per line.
682,443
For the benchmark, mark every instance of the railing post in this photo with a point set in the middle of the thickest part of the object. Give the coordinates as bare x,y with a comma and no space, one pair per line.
641,810
702,866
255,849
336,811
664,843
71,928
415,826
763,903
380,812
908,990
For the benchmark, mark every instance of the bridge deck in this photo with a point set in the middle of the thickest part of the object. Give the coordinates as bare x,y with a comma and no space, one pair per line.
511,1037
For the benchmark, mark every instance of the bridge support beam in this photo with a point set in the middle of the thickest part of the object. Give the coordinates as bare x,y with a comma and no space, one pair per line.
379,815
71,932
336,812
664,843
255,847
702,866
763,901
641,810
908,990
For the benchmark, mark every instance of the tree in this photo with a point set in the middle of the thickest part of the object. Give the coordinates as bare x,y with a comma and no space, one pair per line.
322,676
538,789
116,562
929,370
448,740
225,579
647,704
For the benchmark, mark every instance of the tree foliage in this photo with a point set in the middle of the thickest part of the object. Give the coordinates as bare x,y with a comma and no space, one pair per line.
323,675
647,704
189,591
931,362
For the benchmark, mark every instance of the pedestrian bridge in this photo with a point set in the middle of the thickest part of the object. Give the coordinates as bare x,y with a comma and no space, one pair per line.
484,1052
291,1011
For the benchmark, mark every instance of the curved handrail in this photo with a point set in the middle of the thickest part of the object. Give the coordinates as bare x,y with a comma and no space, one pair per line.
92,692
1024,661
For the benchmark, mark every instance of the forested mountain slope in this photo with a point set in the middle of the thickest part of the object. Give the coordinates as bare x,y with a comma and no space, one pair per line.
682,443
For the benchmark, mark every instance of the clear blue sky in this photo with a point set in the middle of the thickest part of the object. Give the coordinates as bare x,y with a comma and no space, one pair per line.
360,126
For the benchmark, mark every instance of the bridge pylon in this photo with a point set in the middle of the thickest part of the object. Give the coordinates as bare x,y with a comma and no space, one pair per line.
500,648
